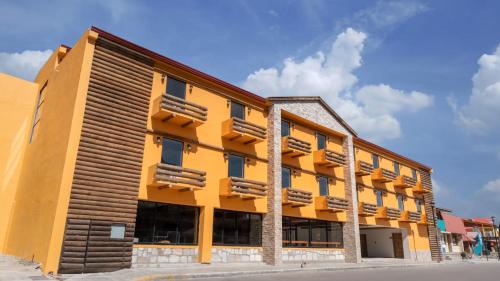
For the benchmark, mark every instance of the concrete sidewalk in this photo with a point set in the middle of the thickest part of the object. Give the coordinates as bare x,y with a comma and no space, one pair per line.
13,269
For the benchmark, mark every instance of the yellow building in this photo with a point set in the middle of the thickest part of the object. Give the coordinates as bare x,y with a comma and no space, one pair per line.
116,157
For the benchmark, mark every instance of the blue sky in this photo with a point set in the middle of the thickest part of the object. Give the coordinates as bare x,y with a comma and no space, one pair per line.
419,77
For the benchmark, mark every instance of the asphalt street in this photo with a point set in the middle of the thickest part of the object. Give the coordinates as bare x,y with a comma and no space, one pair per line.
444,272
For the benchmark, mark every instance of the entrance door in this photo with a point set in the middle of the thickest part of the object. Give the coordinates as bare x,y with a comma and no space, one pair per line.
364,246
397,244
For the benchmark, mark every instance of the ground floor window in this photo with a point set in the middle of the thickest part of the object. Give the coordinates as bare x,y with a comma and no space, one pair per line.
237,228
300,232
159,223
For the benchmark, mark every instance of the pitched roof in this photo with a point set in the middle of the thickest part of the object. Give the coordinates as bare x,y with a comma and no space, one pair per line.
453,223
320,101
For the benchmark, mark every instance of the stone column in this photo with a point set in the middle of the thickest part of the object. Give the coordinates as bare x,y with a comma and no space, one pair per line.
205,234
271,226
351,227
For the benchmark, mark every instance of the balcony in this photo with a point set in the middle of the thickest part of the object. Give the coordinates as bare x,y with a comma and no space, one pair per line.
242,188
423,219
239,130
296,197
175,177
366,209
330,203
293,147
420,188
409,216
363,168
386,213
183,113
328,158
383,175
405,182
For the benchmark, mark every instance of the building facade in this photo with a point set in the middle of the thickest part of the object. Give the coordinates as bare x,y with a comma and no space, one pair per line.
119,157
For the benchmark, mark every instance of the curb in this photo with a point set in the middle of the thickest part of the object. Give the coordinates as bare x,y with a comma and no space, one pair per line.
160,277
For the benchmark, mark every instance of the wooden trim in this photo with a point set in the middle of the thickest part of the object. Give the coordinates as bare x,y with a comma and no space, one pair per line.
386,191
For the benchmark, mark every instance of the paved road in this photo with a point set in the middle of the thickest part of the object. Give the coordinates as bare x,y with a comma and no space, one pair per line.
455,272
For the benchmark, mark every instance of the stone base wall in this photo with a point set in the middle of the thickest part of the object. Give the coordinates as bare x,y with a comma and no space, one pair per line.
227,255
299,255
160,257
421,255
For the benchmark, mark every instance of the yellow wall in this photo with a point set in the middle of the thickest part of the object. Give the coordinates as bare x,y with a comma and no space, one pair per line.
207,156
417,233
305,176
42,198
17,100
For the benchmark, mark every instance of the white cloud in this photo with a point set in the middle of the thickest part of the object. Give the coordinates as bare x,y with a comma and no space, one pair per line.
491,191
481,113
24,64
370,109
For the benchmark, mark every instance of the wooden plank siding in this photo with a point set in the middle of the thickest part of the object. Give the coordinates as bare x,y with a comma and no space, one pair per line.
431,220
109,161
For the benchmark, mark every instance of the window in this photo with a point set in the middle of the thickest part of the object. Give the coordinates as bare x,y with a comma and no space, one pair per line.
323,185
418,203
286,177
237,110
38,112
380,201
159,223
396,167
237,228
176,88
375,160
285,128
414,174
401,202
321,141
236,167
172,152
300,232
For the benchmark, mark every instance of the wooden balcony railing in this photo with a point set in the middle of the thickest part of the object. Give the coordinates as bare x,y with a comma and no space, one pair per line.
242,188
423,219
169,176
366,209
328,158
403,181
383,175
169,108
409,216
296,197
330,203
293,147
239,130
421,188
387,213
363,168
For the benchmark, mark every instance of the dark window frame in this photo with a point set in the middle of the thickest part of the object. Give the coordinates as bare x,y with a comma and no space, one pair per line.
290,176
157,222
397,168
379,194
230,155
327,185
418,203
414,173
289,126
165,148
242,107
177,80
401,202
375,161
318,137
237,228
287,221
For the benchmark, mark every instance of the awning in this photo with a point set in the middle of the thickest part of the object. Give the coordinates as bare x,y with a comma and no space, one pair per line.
453,224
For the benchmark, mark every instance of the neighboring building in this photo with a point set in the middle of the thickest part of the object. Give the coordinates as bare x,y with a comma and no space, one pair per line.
118,157
452,233
481,231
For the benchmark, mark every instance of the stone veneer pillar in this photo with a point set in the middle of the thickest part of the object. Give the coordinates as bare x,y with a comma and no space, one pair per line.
352,243
271,226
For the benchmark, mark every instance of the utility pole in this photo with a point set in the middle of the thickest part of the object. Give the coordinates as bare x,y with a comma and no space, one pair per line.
495,232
